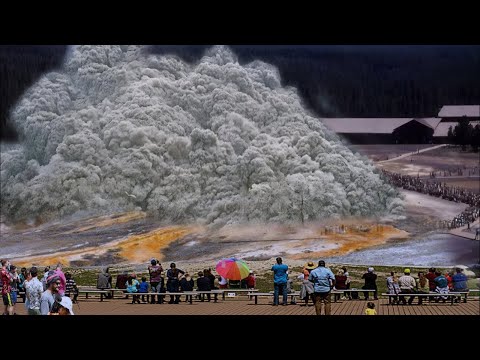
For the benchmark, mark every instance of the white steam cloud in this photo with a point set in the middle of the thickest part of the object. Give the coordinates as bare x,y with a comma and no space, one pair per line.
214,142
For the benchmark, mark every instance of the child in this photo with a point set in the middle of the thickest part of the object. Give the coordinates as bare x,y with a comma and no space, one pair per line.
370,310
143,288
132,287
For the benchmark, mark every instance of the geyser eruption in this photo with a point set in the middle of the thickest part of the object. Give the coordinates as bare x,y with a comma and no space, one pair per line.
214,142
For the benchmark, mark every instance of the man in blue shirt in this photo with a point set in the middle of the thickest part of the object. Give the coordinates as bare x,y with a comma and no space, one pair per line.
323,282
279,281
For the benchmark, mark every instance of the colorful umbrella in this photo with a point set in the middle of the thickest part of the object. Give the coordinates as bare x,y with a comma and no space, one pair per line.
233,269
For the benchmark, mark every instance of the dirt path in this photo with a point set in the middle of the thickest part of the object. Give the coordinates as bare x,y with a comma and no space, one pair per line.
467,234
412,153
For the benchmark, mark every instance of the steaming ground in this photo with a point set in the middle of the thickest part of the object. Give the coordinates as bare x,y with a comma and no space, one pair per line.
135,238
118,129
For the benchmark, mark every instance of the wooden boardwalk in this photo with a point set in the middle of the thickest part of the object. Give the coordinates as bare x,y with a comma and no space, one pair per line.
93,306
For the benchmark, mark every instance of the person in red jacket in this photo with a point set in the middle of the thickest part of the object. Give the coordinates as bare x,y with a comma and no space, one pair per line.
251,280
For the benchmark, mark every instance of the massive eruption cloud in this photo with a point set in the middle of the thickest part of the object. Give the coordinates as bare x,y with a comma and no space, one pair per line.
213,142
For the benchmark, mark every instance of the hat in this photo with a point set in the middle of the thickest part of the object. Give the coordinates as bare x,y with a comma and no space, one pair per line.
251,271
52,277
370,269
67,304
321,263
406,271
309,265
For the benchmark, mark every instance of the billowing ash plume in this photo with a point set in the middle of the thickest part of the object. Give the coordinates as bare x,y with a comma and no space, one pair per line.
215,142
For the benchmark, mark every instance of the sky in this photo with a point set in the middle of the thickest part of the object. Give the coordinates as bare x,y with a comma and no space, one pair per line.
333,80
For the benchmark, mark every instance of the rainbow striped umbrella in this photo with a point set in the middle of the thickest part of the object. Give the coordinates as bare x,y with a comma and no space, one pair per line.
233,269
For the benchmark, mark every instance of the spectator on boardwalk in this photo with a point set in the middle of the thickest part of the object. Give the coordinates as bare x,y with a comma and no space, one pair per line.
132,288
441,283
48,296
14,287
71,287
392,286
208,274
21,283
347,283
323,282
62,306
431,280
187,284
143,288
121,282
6,278
370,283
422,286
222,282
279,281
104,281
448,276
63,280
33,292
65,306
173,284
407,286
251,280
203,284
157,285
307,290
459,281
340,282
44,278
370,310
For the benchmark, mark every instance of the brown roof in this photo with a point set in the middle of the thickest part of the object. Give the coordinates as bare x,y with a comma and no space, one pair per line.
460,111
373,125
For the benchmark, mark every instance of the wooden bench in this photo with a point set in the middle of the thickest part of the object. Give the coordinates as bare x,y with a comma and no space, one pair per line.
337,293
451,295
256,294
240,291
192,294
103,293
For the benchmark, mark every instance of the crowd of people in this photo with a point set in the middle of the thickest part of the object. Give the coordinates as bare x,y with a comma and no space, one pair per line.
317,284
437,189
52,295
174,280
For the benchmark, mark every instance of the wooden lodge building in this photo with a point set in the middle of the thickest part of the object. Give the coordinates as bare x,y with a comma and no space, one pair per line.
404,130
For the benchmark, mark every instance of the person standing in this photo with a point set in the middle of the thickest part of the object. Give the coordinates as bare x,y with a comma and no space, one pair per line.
173,283
155,271
407,286
323,282
33,292
279,281
370,283
104,281
48,297
6,278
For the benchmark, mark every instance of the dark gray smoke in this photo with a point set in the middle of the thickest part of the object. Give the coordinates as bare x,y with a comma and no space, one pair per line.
214,142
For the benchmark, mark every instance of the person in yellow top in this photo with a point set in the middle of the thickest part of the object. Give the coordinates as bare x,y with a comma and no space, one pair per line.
370,310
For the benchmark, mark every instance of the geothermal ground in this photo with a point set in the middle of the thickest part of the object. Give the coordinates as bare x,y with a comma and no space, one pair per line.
134,238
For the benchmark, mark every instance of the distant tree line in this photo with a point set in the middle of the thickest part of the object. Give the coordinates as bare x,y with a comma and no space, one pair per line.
367,81
465,134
